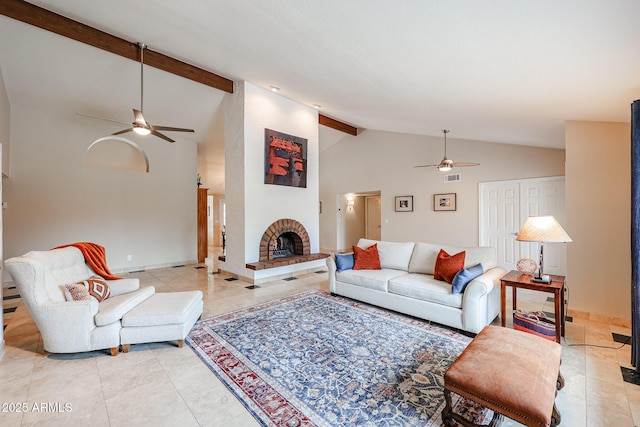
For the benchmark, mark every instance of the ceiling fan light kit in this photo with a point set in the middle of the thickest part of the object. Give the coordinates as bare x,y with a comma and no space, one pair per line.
446,165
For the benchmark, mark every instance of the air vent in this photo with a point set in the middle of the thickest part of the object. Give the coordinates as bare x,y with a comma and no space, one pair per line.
454,177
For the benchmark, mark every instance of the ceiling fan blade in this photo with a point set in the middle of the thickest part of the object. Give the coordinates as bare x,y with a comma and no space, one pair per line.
159,135
102,118
459,164
426,166
122,131
172,129
138,118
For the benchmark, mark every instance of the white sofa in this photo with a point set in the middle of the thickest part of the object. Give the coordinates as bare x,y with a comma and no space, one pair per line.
405,284
87,325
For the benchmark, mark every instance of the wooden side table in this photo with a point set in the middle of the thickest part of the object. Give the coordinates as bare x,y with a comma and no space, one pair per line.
516,280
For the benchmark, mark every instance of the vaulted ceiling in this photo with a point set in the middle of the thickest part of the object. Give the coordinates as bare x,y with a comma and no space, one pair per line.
497,70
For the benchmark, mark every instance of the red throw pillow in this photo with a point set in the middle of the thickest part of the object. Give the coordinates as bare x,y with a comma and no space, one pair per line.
448,265
366,259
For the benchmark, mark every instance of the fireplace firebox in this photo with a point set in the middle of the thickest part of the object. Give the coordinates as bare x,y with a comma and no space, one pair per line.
284,238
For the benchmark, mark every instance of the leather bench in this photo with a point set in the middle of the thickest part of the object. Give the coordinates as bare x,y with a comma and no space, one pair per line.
165,316
513,373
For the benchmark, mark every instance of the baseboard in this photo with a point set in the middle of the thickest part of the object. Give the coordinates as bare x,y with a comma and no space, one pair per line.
155,266
599,318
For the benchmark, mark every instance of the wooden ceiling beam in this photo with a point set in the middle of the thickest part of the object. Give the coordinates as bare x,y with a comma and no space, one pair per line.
61,25
337,125
42,18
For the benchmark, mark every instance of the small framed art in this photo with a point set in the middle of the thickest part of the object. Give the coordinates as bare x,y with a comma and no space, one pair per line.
444,202
404,203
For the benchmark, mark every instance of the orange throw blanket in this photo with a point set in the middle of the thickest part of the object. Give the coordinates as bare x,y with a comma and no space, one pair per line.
95,256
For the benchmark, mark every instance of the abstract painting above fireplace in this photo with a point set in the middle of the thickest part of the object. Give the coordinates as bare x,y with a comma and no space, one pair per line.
285,159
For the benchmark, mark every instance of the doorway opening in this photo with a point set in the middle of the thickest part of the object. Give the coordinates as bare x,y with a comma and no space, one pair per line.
359,216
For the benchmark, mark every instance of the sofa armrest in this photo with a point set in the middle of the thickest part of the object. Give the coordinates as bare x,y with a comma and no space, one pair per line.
66,324
123,286
484,283
477,302
331,265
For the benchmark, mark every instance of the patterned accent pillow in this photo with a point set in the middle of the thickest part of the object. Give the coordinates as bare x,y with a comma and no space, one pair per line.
447,266
94,286
76,292
366,259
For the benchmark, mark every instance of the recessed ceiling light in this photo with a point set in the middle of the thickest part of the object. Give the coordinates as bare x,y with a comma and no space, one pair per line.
317,106
274,88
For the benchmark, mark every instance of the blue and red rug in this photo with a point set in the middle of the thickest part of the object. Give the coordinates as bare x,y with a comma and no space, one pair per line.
313,359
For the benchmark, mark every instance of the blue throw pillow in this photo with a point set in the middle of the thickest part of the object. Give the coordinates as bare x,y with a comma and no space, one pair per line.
464,276
344,261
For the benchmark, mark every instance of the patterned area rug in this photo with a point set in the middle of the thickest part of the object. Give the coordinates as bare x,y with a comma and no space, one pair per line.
313,359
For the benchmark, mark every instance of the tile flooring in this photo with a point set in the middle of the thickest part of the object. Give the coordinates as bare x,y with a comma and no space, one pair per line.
162,385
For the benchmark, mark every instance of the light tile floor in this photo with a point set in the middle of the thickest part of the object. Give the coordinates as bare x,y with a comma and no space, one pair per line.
162,385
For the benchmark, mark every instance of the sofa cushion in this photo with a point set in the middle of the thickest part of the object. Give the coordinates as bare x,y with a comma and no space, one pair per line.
395,255
366,259
372,279
486,256
425,287
447,266
116,307
464,276
344,261
424,257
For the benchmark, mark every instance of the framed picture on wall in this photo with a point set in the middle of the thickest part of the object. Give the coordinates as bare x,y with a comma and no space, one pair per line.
444,202
404,203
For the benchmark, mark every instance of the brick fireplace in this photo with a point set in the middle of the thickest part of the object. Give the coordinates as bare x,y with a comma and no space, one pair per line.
284,242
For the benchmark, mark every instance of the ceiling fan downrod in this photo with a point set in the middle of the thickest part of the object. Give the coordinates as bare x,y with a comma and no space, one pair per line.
142,47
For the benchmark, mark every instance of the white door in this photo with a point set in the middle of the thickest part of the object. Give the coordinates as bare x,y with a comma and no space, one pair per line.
544,197
500,220
372,218
504,207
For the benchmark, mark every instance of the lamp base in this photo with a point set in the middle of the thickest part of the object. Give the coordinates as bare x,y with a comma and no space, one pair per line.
544,279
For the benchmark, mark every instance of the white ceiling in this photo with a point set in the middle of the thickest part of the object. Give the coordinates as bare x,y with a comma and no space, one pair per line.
492,70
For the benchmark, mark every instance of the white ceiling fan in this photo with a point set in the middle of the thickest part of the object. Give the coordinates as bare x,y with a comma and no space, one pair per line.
446,164
139,124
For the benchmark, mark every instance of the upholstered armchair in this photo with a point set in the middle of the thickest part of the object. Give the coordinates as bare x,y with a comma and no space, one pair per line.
72,326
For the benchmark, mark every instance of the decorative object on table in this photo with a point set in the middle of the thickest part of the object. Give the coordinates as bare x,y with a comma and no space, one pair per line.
404,203
446,165
527,266
542,229
370,366
536,323
285,159
199,182
445,202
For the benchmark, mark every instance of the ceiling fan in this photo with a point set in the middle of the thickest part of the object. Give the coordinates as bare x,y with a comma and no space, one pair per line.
139,124
446,164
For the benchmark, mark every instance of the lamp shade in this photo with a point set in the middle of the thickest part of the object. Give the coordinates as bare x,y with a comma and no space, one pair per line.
542,229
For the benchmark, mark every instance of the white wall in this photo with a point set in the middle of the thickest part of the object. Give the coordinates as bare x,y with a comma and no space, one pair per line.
377,160
53,199
248,199
598,186
4,147
5,128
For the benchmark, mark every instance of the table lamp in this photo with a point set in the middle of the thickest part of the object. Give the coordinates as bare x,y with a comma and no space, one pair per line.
542,229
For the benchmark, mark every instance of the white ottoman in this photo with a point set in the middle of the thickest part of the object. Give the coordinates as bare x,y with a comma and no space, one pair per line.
164,316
